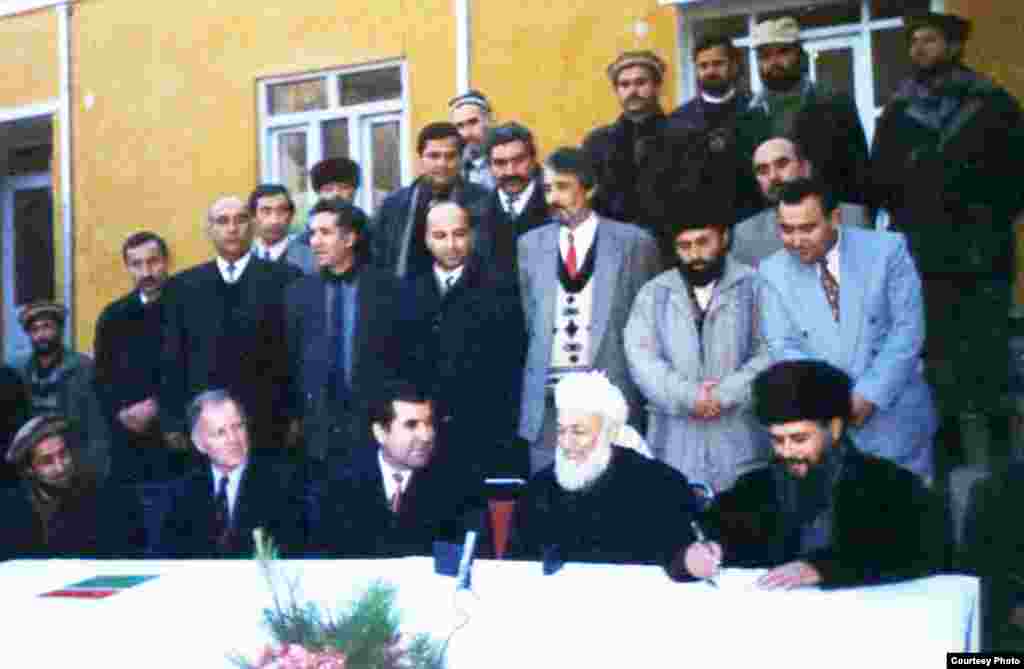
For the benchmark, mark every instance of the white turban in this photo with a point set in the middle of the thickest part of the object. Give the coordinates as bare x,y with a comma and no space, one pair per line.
593,393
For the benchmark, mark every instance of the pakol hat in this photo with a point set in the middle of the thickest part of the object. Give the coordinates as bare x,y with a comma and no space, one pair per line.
340,170
31,433
32,311
471,97
955,29
648,59
798,390
785,30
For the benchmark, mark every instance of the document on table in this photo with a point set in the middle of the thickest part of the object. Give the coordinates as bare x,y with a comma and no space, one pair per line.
733,578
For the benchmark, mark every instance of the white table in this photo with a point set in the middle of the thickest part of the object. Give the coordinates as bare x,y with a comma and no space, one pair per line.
585,616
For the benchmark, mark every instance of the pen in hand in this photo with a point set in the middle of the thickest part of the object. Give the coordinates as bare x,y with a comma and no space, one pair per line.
703,540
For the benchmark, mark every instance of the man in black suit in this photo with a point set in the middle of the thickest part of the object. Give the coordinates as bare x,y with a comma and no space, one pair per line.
342,334
393,499
397,234
212,511
517,204
225,329
466,344
129,341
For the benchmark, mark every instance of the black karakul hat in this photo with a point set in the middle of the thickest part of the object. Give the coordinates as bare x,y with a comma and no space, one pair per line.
798,390
341,170
955,28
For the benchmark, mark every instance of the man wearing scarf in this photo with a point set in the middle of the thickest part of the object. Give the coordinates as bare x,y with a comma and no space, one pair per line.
342,333
60,380
824,513
823,122
694,342
60,509
946,165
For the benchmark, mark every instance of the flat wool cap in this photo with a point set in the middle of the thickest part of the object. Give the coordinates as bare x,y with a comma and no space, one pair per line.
647,59
785,30
31,433
471,97
41,309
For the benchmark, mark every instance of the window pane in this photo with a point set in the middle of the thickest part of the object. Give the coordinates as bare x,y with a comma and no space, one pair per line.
33,245
834,67
728,26
369,86
387,170
335,138
818,16
887,9
298,96
291,160
891,63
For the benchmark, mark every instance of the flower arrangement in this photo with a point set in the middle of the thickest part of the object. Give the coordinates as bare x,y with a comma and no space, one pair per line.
365,636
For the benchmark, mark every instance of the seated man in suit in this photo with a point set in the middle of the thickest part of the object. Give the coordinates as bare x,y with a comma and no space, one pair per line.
852,297
212,511
825,513
392,499
600,502
272,208
60,510
465,343
777,161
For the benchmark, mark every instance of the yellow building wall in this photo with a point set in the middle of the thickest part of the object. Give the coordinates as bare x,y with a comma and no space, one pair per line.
543,64
166,118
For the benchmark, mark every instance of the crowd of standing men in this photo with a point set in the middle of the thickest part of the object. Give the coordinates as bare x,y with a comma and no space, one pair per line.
692,258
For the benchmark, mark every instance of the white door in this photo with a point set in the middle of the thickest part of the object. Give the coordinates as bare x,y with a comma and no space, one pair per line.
27,252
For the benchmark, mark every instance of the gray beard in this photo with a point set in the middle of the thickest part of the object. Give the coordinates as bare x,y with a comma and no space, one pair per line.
575,477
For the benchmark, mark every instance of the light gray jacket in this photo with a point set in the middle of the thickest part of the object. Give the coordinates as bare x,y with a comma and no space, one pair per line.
669,362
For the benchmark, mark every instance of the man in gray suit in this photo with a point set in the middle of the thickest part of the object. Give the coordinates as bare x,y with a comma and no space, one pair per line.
273,209
777,161
577,279
852,297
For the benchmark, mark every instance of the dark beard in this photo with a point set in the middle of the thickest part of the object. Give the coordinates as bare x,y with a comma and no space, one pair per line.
716,88
712,271
782,83
929,75
47,347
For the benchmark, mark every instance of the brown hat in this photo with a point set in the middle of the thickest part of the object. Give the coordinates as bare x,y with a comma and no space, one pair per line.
648,59
41,309
31,433
785,30
955,29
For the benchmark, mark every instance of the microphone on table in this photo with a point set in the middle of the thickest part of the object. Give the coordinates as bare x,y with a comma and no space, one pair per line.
462,577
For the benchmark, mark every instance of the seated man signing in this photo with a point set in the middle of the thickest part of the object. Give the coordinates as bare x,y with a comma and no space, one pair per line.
824,512
600,502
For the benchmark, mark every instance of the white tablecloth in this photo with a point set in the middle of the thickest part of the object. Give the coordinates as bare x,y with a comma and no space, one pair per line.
196,612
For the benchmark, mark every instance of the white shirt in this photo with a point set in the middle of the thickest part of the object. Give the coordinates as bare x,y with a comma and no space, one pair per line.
276,250
521,199
717,101
832,259
234,480
240,266
703,294
443,275
387,472
583,238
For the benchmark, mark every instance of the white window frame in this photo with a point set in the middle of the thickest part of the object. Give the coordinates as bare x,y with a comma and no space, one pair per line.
688,14
360,118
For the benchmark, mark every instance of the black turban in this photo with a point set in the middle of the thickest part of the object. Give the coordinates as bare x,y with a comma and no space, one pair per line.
801,390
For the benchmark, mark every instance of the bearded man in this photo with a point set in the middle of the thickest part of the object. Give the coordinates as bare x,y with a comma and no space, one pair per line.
600,502
60,510
694,344
824,513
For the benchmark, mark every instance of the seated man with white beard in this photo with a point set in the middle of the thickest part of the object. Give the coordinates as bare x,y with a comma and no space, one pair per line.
600,502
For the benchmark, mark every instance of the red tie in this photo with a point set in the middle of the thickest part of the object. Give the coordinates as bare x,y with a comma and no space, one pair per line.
396,499
570,258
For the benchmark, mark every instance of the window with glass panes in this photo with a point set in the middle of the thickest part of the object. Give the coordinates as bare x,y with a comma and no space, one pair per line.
358,113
